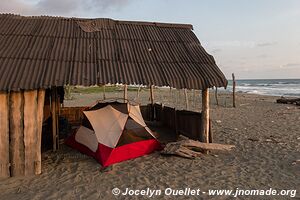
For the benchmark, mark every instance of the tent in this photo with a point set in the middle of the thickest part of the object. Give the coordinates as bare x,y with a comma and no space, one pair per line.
113,132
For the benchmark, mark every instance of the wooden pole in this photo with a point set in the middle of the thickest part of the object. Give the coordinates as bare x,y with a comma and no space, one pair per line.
104,97
125,93
211,134
175,98
68,91
194,99
138,94
40,115
152,94
170,94
233,89
179,99
30,130
57,107
4,135
16,129
216,96
152,117
186,99
53,115
204,134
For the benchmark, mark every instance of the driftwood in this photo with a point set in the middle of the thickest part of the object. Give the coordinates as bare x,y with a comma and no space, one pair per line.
175,148
188,148
289,101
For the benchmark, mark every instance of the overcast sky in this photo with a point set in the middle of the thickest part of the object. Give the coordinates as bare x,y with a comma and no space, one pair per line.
252,38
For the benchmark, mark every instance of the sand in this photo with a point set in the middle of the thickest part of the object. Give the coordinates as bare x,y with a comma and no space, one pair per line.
266,135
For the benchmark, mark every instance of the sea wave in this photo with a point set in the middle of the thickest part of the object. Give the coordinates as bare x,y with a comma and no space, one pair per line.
269,87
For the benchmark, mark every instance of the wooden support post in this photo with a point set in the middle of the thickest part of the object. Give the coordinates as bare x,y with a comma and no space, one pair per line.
194,99
204,134
152,113
30,130
176,124
40,115
186,99
104,97
68,92
138,94
53,115
57,107
216,96
233,89
152,94
211,134
4,135
179,99
16,129
125,93
170,94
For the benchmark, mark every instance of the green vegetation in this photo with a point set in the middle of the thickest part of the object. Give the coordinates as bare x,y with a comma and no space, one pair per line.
97,89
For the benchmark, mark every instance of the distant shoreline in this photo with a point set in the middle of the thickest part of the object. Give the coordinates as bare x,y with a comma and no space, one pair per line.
242,92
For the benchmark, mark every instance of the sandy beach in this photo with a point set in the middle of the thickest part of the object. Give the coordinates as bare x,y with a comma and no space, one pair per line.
266,136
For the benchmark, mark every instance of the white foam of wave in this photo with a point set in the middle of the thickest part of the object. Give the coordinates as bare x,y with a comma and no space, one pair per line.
276,91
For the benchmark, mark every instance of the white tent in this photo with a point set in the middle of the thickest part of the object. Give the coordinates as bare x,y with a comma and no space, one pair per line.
113,126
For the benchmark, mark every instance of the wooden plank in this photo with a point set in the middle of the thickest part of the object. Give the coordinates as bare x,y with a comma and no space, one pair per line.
16,147
57,119
104,96
53,115
216,96
138,94
190,148
30,130
186,99
125,93
194,99
204,134
4,135
233,90
40,114
211,134
170,95
152,94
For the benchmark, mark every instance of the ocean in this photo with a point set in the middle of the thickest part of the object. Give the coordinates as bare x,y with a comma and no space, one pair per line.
274,87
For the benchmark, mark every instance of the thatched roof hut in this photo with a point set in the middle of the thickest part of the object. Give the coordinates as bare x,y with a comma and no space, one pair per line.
38,53
42,52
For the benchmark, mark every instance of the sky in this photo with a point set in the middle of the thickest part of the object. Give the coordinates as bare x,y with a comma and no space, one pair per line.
255,39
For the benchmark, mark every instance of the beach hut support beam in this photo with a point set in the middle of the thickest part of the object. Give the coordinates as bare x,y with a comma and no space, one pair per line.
170,94
57,118
216,96
152,94
31,128
104,96
233,90
40,115
194,100
186,99
125,93
16,129
138,94
54,117
4,136
204,133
